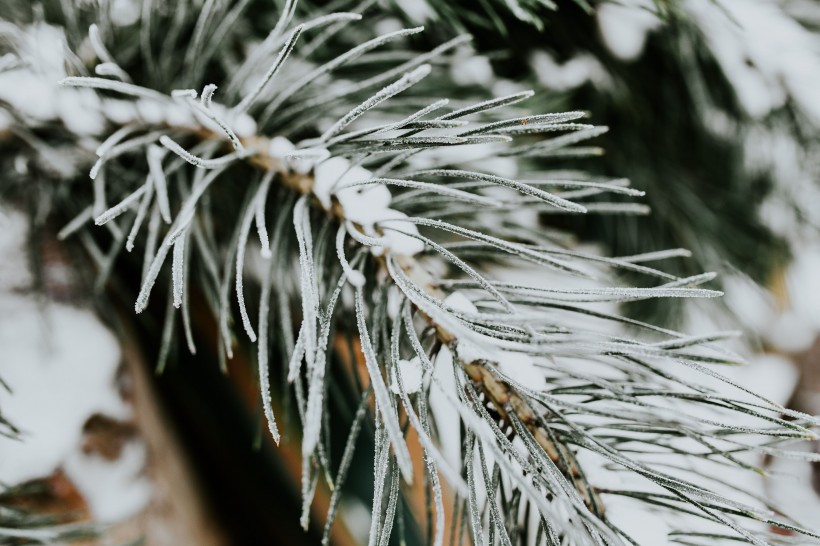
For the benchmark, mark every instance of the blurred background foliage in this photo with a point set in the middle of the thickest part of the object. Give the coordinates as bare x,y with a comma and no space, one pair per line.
681,129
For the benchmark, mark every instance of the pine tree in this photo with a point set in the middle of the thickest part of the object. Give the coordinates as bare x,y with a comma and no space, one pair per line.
315,179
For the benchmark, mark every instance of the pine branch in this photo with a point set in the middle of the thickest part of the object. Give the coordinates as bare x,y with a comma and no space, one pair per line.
587,391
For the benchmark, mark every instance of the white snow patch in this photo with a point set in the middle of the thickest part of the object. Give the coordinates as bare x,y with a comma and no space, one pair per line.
596,472
280,147
365,205
447,419
569,75
14,275
474,70
460,302
636,521
625,27
79,110
114,490
411,376
753,305
60,363
521,368
791,333
418,10
792,489
803,281
124,12
150,111
32,89
766,54
124,111
771,375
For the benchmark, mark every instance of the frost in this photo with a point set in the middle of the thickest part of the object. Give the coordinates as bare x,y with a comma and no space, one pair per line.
177,271
277,64
154,156
386,409
120,207
196,160
354,276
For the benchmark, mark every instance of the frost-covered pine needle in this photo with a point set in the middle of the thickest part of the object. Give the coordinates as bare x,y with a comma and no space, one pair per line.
313,410
142,211
198,161
99,194
114,139
207,95
353,276
123,148
408,80
259,214
120,207
177,269
455,305
184,93
307,278
154,156
76,223
344,465
286,50
436,459
98,46
506,182
294,366
150,278
200,108
386,409
361,238
114,85
112,70
262,355
331,65
242,242
183,221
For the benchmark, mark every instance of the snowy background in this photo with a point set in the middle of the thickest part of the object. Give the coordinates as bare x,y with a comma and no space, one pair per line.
61,363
